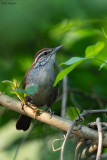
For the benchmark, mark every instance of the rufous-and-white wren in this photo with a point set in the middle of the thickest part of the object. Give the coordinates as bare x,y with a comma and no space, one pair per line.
41,73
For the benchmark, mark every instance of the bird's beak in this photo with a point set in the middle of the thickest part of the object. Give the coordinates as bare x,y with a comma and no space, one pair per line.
56,49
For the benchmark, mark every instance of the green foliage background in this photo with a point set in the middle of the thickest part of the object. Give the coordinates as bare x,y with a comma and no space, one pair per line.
26,27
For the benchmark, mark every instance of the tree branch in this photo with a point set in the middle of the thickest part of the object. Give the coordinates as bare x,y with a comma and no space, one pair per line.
55,121
100,135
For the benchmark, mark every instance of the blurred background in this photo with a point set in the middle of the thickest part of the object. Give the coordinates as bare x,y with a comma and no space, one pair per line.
28,26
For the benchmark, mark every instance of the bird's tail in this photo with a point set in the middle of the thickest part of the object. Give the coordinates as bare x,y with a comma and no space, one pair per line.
23,122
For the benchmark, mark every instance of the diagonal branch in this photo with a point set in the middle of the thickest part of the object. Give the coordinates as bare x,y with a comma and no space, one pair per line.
55,121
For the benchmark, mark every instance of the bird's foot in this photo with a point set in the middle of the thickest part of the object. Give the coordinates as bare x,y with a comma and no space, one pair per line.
22,105
28,104
36,110
25,103
34,107
51,112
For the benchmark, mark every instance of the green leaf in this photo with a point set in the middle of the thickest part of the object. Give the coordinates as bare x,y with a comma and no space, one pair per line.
105,63
19,91
73,112
10,83
32,89
63,73
19,94
14,85
73,60
94,49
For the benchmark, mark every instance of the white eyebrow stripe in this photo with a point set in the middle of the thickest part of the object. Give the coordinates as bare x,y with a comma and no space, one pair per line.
41,54
41,62
38,56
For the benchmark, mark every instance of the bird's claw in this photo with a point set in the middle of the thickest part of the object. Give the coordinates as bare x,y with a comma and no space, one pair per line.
22,105
51,112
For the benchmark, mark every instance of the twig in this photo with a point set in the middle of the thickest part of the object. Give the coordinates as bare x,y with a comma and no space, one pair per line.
93,125
64,97
100,137
64,92
79,149
23,140
66,137
54,142
85,112
74,123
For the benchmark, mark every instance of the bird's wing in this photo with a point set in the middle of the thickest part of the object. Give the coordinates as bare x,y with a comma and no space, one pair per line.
24,83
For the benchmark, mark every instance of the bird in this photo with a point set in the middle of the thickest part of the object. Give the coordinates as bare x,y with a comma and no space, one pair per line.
42,74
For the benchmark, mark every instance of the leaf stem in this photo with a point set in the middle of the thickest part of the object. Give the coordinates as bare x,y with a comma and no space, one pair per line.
101,60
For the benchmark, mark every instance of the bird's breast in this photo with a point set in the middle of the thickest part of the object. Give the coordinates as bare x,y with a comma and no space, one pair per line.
44,78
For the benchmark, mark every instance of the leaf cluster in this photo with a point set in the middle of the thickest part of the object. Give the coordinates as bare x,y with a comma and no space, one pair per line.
91,53
19,92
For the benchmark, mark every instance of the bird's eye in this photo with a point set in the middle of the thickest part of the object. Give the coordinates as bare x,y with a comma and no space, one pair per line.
45,53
